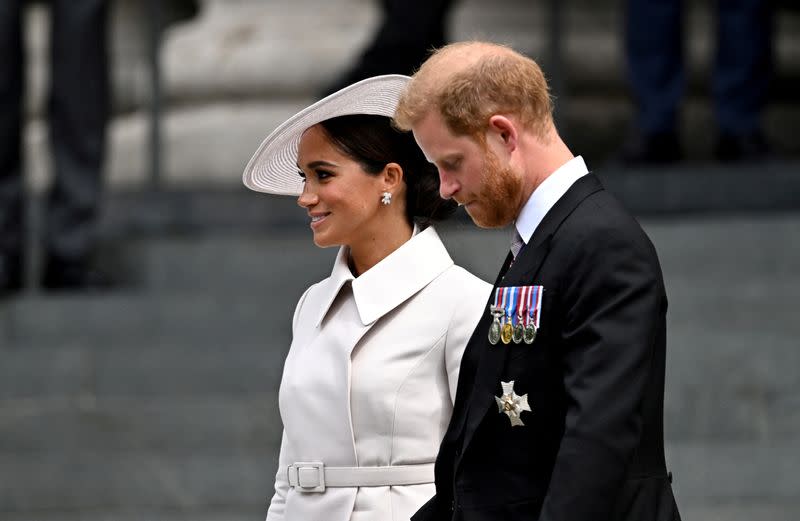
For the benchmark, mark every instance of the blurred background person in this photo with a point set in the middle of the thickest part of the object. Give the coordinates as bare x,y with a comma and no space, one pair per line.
654,44
409,29
77,111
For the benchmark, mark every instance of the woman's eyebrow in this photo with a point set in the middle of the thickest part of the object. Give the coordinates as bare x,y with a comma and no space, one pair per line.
315,164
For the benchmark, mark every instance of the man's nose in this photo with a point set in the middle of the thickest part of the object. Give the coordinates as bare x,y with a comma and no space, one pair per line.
447,185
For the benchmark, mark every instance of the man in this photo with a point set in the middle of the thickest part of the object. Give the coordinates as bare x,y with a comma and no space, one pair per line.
655,55
409,29
559,408
77,113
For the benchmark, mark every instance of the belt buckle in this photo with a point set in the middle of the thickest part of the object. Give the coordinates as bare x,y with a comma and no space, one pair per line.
310,476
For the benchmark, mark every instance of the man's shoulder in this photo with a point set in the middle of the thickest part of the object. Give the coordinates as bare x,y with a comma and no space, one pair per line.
601,212
601,222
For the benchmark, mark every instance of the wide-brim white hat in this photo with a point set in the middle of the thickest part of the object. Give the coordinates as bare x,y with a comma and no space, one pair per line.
273,168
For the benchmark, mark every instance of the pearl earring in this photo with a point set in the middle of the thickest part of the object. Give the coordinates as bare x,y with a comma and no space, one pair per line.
387,198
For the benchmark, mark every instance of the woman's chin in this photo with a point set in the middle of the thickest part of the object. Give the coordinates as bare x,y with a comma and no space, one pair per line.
321,241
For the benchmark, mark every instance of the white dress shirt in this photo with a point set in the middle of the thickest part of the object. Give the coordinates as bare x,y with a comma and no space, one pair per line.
547,194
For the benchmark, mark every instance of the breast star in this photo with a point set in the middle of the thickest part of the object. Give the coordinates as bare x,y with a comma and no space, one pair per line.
511,404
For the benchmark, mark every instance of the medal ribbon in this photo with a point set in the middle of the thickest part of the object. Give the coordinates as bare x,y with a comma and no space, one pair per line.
498,297
527,300
510,303
535,304
522,303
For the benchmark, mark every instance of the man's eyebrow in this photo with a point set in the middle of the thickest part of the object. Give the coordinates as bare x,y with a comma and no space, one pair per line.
451,158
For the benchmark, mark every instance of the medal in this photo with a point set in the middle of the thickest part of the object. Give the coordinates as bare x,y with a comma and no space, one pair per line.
494,329
497,311
507,332
511,404
519,329
509,303
530,333
515,314
534,303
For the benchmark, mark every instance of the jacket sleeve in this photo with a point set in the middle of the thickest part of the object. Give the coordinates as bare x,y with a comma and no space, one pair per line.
277,505
613,303
471,295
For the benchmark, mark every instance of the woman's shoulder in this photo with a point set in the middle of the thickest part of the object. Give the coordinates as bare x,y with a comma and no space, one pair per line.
463,283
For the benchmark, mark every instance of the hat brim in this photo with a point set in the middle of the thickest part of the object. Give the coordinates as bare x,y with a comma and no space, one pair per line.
273,168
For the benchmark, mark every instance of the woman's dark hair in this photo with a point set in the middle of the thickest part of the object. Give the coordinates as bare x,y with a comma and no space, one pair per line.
373,142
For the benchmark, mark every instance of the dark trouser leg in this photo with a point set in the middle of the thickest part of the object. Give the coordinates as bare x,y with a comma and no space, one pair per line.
79,107
744,64
654,49
408,31
11,182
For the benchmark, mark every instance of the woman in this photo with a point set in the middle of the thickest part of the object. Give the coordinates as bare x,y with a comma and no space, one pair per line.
368,383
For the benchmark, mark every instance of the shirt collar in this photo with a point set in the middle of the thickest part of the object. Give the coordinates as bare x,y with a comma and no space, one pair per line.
547,194
390,282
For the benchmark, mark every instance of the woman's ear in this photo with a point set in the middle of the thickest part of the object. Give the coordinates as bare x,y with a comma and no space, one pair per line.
392,177
505,131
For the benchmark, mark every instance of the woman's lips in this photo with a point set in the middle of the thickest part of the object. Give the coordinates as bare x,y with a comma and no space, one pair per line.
317,220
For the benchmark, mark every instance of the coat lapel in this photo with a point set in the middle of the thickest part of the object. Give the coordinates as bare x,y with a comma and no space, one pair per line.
521,272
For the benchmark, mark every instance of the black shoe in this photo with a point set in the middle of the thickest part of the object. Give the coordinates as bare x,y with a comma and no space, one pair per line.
650,149
75,275
746,147
10,275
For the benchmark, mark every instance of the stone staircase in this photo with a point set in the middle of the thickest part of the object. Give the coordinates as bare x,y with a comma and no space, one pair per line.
159,402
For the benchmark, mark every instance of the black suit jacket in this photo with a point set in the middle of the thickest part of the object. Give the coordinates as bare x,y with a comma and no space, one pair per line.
592,448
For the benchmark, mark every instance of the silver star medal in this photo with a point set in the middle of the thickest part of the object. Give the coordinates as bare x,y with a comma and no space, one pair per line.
512,404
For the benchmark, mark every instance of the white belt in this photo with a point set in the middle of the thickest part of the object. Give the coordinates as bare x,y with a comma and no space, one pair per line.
314,476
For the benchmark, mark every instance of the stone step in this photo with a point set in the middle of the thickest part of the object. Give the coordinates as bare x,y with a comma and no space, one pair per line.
193,422
713,511
150,514
704,474
187,367
121,319
726,471
189,480
211,144
741,510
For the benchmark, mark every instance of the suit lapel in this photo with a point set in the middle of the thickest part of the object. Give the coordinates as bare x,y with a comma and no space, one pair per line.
521,272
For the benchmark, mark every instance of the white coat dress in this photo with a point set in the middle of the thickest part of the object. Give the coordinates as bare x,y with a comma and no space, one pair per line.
371,375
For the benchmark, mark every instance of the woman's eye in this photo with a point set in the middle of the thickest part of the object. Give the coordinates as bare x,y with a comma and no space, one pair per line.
302,175
322,174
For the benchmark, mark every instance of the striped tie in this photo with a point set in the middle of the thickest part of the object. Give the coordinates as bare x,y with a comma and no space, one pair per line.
516,244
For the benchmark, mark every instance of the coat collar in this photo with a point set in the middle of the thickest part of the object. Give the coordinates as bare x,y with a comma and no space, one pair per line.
392,281
533,253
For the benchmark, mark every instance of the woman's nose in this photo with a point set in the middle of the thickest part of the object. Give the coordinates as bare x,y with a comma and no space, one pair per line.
306,198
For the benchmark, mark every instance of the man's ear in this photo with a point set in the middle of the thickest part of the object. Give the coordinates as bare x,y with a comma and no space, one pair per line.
505,130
